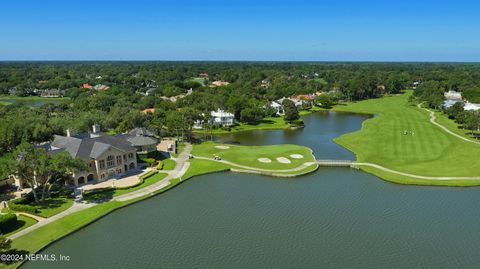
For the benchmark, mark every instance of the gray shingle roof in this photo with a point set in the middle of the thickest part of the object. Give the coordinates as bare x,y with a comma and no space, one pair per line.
87,148
139,140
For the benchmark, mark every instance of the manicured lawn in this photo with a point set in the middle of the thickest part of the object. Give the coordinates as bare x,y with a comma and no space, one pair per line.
22,223
35,240
453,126
5,103
53,206
249,155
312,110
200,167
168,164
425,150
269,123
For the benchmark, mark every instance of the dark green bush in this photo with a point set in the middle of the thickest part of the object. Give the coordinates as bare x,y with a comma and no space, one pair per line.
22,205
7,222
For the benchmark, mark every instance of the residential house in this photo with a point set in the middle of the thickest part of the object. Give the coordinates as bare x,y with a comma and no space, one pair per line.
101,87
148,111
222,118
471,106
203,75
265,84
452,97
297,102
107,156
86,86
279,110
218,84
52,93
143,140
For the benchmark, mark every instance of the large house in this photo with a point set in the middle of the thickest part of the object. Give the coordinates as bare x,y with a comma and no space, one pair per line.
279,110
107,156
452,97
222,118
471,106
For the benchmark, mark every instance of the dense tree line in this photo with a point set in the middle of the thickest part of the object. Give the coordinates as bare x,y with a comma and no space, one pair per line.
139,85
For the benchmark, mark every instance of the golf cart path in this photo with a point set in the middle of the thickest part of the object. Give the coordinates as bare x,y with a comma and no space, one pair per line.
433,118
180,169
412,175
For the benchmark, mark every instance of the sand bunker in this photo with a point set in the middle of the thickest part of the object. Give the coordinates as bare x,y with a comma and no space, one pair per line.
264,160
283,160
297,156
222,147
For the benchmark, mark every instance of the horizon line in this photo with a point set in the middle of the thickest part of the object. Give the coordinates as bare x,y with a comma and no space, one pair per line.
244,61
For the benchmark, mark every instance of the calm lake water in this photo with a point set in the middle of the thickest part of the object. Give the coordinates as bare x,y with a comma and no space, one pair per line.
334,218
32,103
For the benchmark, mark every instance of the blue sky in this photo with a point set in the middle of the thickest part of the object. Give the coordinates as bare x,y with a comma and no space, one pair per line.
343,30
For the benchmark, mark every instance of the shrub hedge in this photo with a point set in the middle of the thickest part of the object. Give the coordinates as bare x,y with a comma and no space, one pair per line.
7,222
22,205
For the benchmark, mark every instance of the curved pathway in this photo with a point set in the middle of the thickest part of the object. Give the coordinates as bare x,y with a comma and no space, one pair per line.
412,175
77,206
180,169
433,121
433,118
301,167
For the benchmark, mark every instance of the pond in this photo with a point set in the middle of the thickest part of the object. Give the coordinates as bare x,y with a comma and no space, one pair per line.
334,218
32,102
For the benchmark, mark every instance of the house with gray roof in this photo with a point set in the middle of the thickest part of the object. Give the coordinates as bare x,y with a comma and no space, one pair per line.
107,156
143,140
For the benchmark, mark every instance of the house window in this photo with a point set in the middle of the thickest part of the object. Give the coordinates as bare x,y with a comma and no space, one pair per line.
102,164
102,176
119,159
110,161
130,155
124,157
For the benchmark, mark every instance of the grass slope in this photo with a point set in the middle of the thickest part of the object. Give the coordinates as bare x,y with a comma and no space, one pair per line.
201,167
248,155
429,151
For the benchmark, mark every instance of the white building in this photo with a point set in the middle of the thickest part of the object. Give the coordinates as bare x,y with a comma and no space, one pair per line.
471,106
278,108
298,103
453,95
222,118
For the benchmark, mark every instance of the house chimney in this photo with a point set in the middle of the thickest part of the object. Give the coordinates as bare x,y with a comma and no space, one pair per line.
70,132
96,128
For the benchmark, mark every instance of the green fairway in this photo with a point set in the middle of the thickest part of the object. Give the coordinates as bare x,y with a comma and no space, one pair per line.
249,155
402,138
